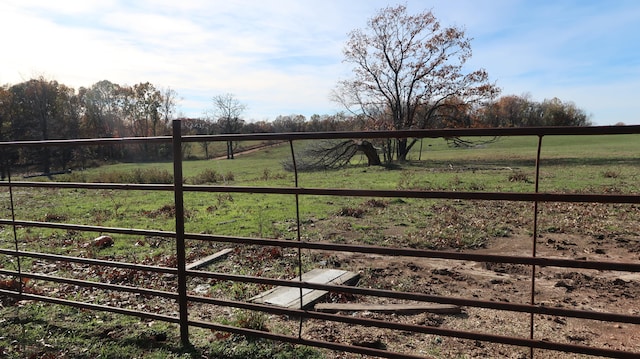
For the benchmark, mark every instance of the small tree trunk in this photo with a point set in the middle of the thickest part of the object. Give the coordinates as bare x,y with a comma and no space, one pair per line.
373,159
402,149
229,150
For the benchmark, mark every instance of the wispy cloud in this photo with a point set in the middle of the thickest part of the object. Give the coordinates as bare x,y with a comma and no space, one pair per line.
282,57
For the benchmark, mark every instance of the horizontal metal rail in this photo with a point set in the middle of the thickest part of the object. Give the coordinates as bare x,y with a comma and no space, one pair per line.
299,136
95,186
89,261
484,196
89,306
424,253
91,284
431,133
301,341
87,228
86,142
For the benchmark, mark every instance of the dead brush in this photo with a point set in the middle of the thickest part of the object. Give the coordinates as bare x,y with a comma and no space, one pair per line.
54,217
351,212
375,203
519,176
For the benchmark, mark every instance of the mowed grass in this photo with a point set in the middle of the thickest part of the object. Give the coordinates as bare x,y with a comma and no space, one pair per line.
580,164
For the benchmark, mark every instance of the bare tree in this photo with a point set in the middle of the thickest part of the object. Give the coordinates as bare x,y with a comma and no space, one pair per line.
169,97
227,110
406,69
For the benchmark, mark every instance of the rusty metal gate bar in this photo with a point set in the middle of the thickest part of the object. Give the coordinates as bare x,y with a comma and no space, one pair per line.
534,243
184,299
485,196
14,232
298,237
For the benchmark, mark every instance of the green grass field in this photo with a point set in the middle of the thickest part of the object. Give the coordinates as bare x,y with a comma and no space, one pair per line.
593,164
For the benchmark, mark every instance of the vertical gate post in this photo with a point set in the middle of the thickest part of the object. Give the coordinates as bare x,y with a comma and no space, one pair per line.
180,246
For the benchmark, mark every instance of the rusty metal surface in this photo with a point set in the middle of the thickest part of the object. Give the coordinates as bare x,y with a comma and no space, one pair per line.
89,261
90,306
299,136
91,284
424,253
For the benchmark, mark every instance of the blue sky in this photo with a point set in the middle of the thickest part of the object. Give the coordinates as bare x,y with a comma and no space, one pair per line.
283,57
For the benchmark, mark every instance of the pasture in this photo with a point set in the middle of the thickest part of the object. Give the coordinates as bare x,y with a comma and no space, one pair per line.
579,164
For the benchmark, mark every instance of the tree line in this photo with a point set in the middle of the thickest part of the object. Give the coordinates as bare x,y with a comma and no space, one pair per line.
41,109
408,72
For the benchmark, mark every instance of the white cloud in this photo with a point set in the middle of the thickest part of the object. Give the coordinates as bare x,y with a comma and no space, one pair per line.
285,56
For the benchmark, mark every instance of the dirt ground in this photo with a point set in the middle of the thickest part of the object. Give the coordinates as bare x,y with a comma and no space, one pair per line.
608,291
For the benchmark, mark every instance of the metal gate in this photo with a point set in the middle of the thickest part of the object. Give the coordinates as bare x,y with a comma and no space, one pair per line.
185,299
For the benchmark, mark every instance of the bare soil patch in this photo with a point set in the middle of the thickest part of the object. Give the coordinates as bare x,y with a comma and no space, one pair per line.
563,233
576,231
570,288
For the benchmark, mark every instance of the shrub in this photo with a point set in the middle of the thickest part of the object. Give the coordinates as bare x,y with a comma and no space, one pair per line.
138,175
152,175
406,180
76,176
206,176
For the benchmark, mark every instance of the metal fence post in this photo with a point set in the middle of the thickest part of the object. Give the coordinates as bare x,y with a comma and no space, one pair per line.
180,246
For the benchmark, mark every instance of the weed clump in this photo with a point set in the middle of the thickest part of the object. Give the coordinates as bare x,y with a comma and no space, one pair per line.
235,346
519,176
55,217
267,175
138,175
206,176
351,212
251,320
375,203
